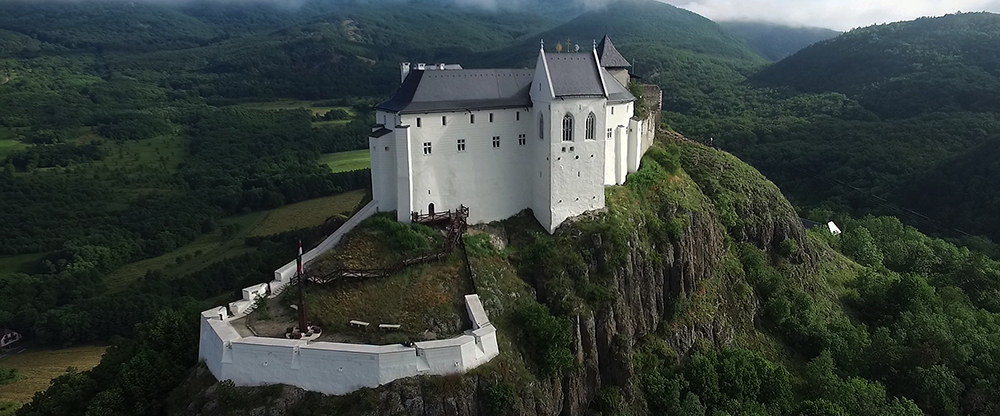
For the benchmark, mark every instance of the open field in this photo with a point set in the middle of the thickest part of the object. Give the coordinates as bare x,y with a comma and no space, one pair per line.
307,213
21,263
8,146
292,104
39,366
347,161
214,246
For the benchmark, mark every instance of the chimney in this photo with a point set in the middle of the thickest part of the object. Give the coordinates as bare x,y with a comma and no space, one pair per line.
404,70
441,66
420,66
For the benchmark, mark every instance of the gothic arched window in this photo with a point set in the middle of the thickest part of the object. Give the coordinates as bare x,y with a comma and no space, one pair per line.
591,121
541,127
567,128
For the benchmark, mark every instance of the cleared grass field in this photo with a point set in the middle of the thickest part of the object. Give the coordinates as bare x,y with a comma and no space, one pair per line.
40,366
8,146
21,263
292,104
212,247
347,161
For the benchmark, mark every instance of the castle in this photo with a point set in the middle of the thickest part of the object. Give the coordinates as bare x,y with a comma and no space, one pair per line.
502,140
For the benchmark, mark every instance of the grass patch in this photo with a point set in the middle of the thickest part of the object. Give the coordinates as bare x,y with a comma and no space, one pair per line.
292,104
428,297
8,146
347,161
218,245
307,213
39,367
21,263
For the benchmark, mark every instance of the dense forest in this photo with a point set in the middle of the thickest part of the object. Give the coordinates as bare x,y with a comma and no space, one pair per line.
128,131
877,120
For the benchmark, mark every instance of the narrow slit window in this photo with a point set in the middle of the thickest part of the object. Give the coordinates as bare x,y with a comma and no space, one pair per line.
472,119
541,128
418,121
591,124
517,116
491,117
444,120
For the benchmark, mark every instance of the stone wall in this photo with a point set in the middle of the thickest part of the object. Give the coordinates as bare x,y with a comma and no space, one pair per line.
338,368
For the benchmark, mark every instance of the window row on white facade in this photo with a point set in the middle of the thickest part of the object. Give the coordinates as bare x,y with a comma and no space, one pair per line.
472,119
522,139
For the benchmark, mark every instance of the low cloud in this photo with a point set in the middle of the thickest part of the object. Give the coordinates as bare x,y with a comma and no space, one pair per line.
833,14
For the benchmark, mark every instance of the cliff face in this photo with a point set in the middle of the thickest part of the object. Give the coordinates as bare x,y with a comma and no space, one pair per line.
647,269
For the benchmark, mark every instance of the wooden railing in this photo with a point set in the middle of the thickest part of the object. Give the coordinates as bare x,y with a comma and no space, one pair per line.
457,222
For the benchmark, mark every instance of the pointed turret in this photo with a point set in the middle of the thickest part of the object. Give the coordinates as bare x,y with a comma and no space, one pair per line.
613,61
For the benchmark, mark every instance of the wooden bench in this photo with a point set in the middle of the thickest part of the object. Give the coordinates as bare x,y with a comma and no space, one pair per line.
389,327
359,324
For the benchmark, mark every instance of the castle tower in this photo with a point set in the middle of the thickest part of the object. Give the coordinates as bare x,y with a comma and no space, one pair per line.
613,61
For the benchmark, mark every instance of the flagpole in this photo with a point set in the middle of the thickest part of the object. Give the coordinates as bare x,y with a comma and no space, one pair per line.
302,306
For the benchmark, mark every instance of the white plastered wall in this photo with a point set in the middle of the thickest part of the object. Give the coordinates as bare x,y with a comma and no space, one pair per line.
577,165
491,181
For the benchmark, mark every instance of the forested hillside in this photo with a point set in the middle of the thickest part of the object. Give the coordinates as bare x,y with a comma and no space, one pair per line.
860,123
774,41
128,131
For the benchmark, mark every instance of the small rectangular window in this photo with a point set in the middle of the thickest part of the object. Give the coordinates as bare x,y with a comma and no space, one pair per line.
418,121
444,120
612,111
461,145
609,133
517,116
387,148
496,141
472,119
427,148
522,139
491,117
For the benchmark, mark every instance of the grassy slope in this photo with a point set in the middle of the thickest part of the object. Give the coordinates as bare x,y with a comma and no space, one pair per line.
213,246
39,366
347,161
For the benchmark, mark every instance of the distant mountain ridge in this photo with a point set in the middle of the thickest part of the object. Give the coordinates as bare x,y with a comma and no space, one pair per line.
774,41
949,63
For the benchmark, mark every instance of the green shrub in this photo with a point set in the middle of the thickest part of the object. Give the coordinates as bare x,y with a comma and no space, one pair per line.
403,238
499,398
548,338
789,247
9,375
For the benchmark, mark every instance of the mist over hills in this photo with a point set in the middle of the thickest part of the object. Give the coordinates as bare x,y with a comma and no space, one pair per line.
776,42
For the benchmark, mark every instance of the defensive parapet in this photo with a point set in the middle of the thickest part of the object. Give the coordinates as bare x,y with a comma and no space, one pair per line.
338,368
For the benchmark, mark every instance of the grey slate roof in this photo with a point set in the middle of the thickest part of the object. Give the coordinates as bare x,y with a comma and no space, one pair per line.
381,131
616,91
461,89
610,57
574,74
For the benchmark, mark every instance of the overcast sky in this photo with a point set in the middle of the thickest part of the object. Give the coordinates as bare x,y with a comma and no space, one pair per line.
833,14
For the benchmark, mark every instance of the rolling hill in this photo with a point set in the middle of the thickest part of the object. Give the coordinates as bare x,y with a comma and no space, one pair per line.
776,42
949,63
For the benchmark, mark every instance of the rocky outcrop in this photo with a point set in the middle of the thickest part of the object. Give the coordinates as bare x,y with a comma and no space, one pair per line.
646,280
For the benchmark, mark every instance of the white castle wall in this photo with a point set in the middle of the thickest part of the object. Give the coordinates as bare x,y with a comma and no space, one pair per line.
337,368
284,275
